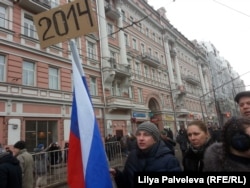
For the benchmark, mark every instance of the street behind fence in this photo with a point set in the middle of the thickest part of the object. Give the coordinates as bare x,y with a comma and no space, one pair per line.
54,164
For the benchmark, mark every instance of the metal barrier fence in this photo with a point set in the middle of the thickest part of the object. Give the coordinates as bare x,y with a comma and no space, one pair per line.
51,167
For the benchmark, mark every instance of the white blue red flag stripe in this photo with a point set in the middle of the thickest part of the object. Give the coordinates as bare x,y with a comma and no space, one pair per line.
87,162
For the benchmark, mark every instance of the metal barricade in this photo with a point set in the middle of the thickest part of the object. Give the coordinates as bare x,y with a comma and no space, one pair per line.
50,168
114,154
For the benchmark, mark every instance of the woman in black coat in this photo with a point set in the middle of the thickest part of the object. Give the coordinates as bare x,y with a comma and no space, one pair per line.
199,140
10,171
150,155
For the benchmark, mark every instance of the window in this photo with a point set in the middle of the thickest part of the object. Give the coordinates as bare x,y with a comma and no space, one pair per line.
142,48
159,77
91,50
123,16
116,88
153,36
54,3
110,30
153,74
147,32
2,16
140,97
28,73
139,26
126,39
93,86
137,68
150,51
2,68
53,78
156,55
38,131
29,28
134,44
146,71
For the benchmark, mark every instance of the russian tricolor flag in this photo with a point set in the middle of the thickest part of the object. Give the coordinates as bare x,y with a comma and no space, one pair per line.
87,162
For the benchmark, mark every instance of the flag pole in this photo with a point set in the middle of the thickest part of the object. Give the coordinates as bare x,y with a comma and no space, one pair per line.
75,56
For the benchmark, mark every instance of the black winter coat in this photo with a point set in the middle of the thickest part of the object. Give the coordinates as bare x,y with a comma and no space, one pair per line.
193,158
158,159
10,171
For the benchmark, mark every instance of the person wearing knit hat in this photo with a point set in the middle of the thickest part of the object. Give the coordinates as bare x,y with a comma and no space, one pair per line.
150,155
26,163
151,129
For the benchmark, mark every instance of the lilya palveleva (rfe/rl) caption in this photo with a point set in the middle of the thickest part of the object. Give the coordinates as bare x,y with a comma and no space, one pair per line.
196,179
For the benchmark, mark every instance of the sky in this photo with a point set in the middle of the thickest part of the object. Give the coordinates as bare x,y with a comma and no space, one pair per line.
224,23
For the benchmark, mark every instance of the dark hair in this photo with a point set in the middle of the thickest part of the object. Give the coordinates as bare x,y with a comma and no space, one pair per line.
233,125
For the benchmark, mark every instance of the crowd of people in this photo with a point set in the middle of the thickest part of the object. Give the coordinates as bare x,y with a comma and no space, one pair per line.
204,148
224,148
21,169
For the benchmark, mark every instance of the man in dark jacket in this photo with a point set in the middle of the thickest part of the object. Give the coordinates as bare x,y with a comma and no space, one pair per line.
151,155
10,171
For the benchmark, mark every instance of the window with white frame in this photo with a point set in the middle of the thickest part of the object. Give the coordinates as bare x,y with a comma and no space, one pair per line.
156,55
28,77
142,48
150,51
137,68
140,97
53,78
2,68
93,86
3,14
110,30
29,28
146,71
147,32
126,39
91,52
153,74
116,88
123,16
134,44
159,76
153,36
139,27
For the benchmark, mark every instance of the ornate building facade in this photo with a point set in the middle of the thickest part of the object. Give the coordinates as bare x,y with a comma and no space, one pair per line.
139,67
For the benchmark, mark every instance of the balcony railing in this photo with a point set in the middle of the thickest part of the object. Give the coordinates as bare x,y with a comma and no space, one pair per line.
37,6
191,79
111,11
150,60
120,69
